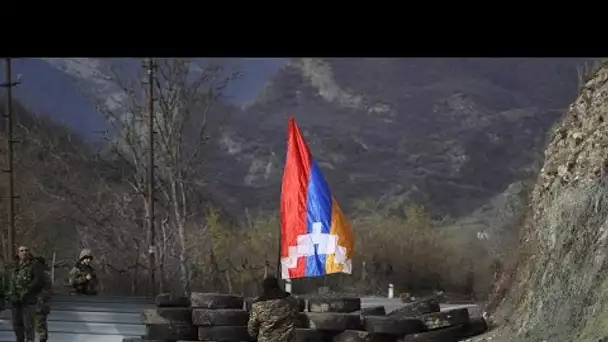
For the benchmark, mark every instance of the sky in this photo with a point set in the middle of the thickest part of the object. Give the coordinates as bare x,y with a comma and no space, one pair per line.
46,90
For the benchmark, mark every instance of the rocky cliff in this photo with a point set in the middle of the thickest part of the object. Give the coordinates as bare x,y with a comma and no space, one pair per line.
560,292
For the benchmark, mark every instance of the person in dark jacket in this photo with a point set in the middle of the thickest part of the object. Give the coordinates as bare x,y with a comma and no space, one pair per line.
274,315
82,276
25,281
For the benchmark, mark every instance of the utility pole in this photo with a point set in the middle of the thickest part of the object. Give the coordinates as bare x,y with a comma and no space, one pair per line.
152,233
9,84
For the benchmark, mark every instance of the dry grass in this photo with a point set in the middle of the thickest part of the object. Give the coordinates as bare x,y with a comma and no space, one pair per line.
405,248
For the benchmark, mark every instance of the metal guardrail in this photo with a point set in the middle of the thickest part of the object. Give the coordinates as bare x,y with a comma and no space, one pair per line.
90,319
9,336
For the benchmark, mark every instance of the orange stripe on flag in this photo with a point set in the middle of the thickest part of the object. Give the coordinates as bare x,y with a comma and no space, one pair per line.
341,228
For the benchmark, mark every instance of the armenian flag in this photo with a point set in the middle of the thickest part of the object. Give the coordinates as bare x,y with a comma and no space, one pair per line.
316,238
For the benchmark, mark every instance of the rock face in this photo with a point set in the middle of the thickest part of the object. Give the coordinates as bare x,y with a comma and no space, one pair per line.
560,291
446,133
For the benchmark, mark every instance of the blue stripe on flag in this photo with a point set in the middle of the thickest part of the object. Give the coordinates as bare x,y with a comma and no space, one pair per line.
318,207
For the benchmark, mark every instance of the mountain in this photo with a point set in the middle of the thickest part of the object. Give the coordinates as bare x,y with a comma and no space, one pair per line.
447,133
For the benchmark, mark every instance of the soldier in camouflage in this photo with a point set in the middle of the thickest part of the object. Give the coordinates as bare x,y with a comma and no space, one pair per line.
82,276
43,303
274,315
25,281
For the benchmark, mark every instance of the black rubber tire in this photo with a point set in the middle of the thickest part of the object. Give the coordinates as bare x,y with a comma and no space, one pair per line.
309,335
171,332
219,317
334,321
303,321
415,309
224,334
167,315
301,303
373,311
476,326
393,326
130,339
334,304
215,301
362,336
451,334
169,300
445,319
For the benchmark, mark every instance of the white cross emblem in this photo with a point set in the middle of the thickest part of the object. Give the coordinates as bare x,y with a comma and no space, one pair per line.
327,244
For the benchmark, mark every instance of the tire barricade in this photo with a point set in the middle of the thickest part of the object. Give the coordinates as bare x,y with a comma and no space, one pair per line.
223,318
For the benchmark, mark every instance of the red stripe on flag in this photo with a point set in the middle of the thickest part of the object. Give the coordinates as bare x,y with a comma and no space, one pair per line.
293,194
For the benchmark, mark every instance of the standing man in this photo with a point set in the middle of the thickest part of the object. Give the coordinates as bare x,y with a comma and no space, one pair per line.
43,303
82,276
25,281
274,315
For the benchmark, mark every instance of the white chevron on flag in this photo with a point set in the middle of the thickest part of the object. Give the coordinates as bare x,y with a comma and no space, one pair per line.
327,244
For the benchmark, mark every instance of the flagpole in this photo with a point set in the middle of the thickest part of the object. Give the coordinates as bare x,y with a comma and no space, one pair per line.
279,256
286,282
279,272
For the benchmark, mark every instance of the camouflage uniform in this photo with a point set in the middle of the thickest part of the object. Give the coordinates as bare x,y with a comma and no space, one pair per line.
273,317
43,303
25,281
78,276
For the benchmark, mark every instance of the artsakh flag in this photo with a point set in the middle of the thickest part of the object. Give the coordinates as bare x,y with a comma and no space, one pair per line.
316,238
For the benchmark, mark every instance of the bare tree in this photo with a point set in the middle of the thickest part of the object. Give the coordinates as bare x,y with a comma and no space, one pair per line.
185,95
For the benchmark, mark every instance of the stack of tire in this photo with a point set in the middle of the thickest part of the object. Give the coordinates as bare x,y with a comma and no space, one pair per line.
169,321
340,319
448,326
223,318
219,317
329,317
